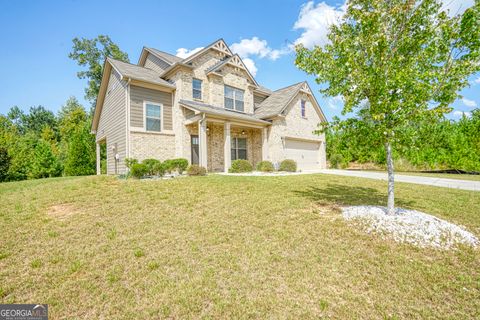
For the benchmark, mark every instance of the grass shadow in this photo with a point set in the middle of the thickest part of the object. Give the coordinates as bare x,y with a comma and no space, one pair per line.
349,195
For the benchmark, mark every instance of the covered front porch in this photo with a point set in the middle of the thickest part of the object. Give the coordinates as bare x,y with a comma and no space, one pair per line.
215,143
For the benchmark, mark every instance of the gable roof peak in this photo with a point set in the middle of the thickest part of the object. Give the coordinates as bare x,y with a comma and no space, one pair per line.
218,45
279,100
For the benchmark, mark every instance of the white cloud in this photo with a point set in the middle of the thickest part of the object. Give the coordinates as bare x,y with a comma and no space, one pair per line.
469,103
316,20
477,81
184,53
247,49
459,114
335,103
250,64
255,47
455,7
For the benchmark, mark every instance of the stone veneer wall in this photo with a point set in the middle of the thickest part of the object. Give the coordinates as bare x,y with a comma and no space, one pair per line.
215,145
293,125
152,145
215,134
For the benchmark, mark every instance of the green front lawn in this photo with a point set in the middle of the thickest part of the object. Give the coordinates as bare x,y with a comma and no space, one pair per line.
228,247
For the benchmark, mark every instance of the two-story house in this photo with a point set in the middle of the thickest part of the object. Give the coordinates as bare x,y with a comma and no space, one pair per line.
207,108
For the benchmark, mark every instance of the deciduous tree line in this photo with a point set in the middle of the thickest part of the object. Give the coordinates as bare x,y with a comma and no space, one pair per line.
41,144
430,145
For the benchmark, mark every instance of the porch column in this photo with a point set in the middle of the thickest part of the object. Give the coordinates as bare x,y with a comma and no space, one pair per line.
202,141
265,143
99,171
227,153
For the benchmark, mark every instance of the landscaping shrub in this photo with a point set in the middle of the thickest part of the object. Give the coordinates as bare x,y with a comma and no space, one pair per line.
240,166
337,161
196,170
169,165
129,162
159,169
138,170
150,165
288,165
265,166
181,164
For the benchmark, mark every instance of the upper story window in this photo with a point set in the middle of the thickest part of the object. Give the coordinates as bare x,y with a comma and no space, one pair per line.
197,89
302,108
153,117
233,98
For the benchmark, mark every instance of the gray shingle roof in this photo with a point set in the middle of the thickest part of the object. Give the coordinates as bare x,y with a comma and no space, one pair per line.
218,65
222,112
277,101
264,89
138,73
170,58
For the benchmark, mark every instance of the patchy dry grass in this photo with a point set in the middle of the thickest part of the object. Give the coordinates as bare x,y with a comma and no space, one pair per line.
228,247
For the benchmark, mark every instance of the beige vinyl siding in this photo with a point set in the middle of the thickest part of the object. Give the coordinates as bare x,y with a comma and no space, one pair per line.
138,95
257,99
155,63
112,123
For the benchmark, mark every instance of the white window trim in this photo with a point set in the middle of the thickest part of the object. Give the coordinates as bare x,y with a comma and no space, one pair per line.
201,89
234,98
237,148
145,102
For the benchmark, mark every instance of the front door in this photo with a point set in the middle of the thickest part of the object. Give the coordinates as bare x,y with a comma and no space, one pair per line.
194,142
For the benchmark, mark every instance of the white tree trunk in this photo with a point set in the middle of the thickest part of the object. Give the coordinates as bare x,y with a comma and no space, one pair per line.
391,198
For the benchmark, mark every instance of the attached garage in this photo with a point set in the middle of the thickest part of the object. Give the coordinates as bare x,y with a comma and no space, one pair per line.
305,153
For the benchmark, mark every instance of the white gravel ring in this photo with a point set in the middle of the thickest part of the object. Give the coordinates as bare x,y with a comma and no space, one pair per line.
411,226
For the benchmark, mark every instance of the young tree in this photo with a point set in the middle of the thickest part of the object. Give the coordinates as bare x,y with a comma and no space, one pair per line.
81,155
45,164
77,144
91,53
399,60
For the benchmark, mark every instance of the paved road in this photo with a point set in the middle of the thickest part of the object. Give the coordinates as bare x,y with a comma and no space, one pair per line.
437,182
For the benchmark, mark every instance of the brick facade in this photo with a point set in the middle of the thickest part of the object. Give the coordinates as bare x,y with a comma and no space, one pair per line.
152,145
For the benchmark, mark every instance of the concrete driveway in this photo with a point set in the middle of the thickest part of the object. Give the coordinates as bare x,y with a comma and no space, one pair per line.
437,182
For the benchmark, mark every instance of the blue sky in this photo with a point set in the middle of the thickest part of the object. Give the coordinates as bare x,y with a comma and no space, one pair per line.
36,37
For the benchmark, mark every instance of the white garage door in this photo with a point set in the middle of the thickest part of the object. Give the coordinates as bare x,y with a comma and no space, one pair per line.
305,153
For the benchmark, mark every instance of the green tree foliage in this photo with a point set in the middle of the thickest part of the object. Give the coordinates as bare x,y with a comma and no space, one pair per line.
91,53
45,164
39,144
81,156
71,116
430,145
21,150
398,62
35,120
4,164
